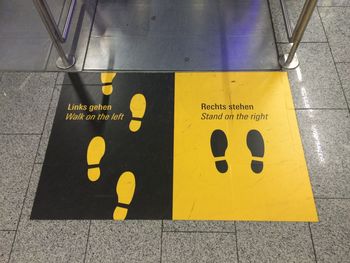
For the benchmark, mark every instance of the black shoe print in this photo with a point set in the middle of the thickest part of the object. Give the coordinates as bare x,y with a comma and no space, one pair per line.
218,143
256,146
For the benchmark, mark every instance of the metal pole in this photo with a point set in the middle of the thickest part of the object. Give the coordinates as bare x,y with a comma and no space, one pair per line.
300,19
64,62
289,61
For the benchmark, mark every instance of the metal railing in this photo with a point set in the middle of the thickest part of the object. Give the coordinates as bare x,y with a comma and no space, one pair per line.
64,61
290,60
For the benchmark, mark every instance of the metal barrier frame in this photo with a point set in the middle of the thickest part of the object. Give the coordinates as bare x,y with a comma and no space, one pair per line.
64,61
289,60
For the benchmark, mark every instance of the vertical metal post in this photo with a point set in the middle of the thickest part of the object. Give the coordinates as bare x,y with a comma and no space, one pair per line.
64,61
289,61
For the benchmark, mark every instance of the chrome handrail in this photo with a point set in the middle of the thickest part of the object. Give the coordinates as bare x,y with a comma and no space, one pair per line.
64,61
287,61
290,61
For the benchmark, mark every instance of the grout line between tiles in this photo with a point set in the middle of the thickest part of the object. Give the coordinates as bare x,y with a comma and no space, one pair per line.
13,241
312,241
30,178
87,242
20,214
334,6
334,63
236,241
19,134
161,242
332,198
51,99
204,232
46,117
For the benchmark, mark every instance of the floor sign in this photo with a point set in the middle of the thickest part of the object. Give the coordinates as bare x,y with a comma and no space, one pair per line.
181,146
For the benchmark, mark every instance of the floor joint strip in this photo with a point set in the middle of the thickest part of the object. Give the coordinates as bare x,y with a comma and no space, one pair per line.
312,241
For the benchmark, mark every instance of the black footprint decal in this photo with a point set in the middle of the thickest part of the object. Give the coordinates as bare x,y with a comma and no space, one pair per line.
256,146
218,143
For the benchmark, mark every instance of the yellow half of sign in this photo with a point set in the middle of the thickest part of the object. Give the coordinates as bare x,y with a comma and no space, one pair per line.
237,149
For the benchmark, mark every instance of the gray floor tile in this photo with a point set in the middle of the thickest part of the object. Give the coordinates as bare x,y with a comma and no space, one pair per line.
314,31
274,242
337,26
333,3
48,241
6,240
25,99
315,83
14,55
129,241
48,125
17,157
326,139
344,73
199,247
332,234
205,226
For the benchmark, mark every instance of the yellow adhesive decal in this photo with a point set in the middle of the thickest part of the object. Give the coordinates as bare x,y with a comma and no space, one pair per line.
95,152
237,149
107,79
138,109
125,191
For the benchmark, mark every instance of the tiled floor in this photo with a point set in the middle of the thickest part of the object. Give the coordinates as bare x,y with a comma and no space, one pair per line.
321,90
